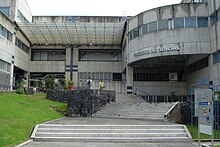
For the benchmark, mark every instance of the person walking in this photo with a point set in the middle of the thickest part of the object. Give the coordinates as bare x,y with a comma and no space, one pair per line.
101,85
89,83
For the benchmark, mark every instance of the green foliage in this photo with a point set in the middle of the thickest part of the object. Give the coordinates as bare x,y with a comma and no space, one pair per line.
20,91
36,83
193,129
20,113
173,96
62,82
70,83
49,81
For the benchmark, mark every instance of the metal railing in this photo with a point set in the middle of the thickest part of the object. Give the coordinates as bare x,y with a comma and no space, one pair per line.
158,98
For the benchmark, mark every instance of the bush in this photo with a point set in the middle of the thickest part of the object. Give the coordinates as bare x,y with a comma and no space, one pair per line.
49,81
62,82
36,83
20,91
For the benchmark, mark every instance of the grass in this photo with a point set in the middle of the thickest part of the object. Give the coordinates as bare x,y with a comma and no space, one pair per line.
20,113
194,132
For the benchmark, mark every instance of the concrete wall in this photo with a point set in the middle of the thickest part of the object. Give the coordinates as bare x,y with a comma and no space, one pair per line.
47,66
23,7
6,46
91,66
189,40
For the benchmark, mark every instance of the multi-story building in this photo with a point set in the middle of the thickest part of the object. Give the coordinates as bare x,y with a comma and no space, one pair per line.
159,51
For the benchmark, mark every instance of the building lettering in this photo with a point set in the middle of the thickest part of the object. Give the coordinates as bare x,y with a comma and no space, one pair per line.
154,51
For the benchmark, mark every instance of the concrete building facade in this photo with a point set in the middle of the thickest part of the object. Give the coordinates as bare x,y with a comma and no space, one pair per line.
159,51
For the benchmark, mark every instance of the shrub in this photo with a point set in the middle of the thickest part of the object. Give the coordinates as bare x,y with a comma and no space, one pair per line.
20,91
49,81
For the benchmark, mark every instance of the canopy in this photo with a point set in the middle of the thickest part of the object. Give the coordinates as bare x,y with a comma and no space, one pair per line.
74,33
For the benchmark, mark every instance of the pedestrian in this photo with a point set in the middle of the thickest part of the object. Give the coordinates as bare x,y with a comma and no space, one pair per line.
101,85
25,85
89,83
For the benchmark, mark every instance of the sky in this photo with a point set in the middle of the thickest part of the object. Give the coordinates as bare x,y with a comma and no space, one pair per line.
94,7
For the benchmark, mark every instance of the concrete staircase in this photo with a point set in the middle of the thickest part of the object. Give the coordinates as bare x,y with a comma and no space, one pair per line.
110,133
132,107
135,110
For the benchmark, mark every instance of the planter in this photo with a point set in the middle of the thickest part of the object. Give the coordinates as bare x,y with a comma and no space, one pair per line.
71,87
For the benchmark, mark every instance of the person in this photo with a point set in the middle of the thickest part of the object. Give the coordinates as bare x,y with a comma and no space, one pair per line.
101,85
25,86
89,83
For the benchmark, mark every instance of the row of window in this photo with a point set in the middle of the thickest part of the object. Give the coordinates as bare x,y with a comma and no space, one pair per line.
151,76
215,17
180,22
5,33
21,45
21,17
48,55
5,66
5,10
100,76
99,56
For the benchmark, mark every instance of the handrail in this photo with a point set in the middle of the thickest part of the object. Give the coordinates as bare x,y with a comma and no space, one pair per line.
137,89
169,111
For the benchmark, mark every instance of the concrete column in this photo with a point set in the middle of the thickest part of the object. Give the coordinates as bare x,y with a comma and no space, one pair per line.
71,69
129,79
12,75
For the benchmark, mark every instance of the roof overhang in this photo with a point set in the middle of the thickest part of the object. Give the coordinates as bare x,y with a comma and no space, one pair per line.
74,33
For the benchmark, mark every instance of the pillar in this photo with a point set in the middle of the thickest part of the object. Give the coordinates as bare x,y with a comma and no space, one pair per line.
12,80
71,67
129,79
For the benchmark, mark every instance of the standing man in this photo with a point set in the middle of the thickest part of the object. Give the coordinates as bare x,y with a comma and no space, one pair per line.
89,83
101,85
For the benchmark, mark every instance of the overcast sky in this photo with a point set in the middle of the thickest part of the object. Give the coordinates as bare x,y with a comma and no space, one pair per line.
94,7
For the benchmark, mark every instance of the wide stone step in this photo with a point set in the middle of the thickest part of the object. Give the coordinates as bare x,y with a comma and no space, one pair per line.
113,139
60,130
108,134
111,126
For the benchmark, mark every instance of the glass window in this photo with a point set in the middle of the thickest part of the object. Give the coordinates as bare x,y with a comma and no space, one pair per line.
153,26
163,25
136,32
43,56
190,22
197,1
178,23
83,56
9,36
218,15
145,29
5,10
36,56
21,17
1,30
216,58
214,18
202,22
117,76
4,32
130,35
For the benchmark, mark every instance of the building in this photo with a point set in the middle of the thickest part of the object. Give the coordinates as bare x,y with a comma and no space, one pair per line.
158,51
